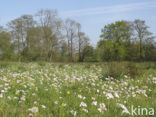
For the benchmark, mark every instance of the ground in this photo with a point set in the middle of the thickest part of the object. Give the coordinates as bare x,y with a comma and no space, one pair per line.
75,89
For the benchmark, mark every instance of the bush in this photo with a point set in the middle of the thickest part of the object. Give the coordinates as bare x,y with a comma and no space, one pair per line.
118,70
115,70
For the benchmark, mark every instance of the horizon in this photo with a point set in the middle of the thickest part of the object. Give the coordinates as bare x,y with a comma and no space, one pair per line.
93,15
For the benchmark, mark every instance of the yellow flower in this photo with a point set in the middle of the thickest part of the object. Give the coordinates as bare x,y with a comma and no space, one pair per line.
68,92
1,108
16,93
11,83
63,104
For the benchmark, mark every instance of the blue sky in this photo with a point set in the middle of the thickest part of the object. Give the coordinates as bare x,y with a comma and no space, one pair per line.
92,14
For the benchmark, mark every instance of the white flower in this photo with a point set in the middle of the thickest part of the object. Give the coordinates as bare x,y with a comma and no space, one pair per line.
63,104
15,97
93,98
33,94
85,110
35,102
46,89
18,81
109,95
102,108
2,91
9,97
23,98
33,109
56,102
43,106
116,94
84,98
73,112
133,94
94,103
80,96
97,91
6,84
83,104
60,97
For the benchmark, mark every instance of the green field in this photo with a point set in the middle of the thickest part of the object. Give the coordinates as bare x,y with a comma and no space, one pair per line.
80,89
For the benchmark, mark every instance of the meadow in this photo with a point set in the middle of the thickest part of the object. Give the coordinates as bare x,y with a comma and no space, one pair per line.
41,89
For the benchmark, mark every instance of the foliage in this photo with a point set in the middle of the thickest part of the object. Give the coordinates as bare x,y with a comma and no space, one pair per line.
125,40
46,37
89,54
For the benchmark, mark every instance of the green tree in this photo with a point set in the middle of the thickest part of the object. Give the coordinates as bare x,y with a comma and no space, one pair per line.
115,36
6,47
89,54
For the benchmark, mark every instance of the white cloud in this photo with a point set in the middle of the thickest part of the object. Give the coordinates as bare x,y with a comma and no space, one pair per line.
110,9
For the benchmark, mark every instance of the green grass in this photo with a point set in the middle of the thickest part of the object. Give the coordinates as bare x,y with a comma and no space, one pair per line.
61,88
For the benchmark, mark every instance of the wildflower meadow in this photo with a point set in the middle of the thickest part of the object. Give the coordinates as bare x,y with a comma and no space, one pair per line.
76,90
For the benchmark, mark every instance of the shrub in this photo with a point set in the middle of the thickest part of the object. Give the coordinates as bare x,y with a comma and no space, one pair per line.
115,70
118,70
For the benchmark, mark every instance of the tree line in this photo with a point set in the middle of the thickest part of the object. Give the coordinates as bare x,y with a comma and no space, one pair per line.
44,36
125,40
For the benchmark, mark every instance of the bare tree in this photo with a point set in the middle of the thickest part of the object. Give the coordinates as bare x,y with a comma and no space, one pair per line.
71,32
82,41
142,34
27,24
50,25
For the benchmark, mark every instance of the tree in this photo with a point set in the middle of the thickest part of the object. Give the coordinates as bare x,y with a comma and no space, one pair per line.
64,51
116,34
71,29
34,47
19,28
143,35
6,48
89,54
50,26
83,41
105,50
15,27
28,23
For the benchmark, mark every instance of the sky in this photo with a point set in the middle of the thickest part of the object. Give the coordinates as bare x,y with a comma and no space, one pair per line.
92,14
